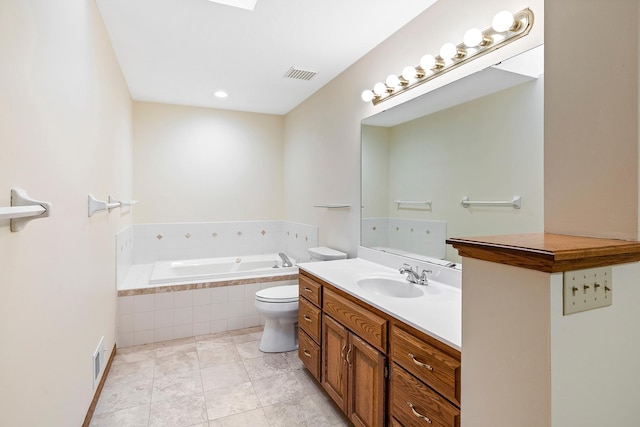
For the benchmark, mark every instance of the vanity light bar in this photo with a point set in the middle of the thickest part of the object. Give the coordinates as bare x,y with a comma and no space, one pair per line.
505,28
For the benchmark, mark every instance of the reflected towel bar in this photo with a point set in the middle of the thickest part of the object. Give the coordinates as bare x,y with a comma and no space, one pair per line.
412,202
23,209
515,203
96,205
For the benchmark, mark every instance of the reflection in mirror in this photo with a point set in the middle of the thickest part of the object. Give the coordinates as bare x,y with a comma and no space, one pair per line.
479,137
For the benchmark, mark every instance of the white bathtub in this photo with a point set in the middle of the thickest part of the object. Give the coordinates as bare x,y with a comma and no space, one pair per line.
211,269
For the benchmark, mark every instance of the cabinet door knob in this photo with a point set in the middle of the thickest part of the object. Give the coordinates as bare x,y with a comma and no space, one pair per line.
419,363
342,353
307,318
348,353
307,290
418,414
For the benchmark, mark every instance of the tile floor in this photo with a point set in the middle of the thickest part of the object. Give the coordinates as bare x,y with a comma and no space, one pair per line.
212,380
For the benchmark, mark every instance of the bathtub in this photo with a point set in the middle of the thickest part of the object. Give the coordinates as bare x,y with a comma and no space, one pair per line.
212,269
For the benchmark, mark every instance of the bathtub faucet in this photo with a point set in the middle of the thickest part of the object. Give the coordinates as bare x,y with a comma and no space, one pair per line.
286,262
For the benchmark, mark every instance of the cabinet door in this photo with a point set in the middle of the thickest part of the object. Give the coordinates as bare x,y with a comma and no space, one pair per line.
334,364
366,383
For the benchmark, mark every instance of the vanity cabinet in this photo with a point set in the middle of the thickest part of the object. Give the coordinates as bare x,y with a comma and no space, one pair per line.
353,374
309,324
350,347
425,381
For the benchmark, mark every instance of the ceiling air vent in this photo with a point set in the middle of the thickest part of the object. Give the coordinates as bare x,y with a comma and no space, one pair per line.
296,73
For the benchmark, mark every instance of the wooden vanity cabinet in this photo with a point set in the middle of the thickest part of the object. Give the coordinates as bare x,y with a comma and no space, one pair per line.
353,374
350,346
425,380
309,324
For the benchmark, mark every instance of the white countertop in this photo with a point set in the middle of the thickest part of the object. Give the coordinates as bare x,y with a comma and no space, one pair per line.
437,313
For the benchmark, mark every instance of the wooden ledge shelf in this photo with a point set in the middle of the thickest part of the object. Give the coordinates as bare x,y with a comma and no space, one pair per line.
549,253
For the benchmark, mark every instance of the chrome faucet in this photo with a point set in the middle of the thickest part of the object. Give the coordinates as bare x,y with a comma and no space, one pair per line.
286,262
413,277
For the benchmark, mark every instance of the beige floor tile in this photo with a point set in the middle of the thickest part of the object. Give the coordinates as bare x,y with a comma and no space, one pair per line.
168,348
279,388
176,362
134,354
231,400
218,356
131,372
224,375
269,365
255,418
298,412
124,395
176,385
182,411
250,350
247,335
130,417
293,360
329,409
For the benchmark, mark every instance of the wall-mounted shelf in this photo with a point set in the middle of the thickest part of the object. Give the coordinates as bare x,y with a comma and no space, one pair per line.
23,209
336,206
515,203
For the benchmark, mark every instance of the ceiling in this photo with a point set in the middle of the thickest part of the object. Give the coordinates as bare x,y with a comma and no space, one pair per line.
182,51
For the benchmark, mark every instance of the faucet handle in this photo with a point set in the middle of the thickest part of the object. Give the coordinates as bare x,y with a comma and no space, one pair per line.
423,277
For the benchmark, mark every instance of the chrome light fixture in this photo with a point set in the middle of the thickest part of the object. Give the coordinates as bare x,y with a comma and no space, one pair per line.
505,28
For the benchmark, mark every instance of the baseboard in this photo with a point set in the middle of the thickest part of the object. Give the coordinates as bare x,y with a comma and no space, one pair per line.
96,396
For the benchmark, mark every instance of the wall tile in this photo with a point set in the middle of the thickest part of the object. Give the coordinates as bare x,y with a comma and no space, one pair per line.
164,300
235,323
163,334
235,308
126,323
201,328
183,299
124,339
220,295
183,331
236,293
143,321
142,303
125,305
163,318
143,337
219,311
218,325
183,316
201,297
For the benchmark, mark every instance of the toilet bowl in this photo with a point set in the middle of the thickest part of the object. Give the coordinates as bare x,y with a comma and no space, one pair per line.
279,305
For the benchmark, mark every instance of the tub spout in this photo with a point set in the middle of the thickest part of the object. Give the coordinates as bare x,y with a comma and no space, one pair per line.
286,262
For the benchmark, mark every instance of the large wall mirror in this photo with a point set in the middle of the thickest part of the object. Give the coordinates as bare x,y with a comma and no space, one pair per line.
480,138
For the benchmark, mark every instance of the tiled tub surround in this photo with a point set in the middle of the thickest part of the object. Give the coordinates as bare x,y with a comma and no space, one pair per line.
149,314
154,314
148,243
414,236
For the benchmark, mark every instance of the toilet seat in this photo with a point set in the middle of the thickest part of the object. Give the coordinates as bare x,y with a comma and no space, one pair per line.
278,294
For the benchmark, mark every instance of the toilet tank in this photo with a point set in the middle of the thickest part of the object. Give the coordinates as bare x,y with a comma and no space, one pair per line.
325,254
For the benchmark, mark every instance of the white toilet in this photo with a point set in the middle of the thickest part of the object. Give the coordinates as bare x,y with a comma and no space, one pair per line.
280,306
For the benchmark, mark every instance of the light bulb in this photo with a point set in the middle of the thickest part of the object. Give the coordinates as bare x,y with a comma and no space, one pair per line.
368,95
379,88
503,21
221,94
393,81
448,51
427,62
409,72
473,37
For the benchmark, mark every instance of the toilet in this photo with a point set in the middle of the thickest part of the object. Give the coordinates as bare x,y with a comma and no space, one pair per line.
279,305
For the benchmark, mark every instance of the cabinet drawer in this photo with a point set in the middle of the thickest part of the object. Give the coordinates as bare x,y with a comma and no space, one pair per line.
310,289
309,319
414,404
368,326
430,365
309,353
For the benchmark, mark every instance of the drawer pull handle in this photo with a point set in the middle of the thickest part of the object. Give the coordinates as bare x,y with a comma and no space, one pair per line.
306,353
342,353
418,414
417,362
308,290
307,318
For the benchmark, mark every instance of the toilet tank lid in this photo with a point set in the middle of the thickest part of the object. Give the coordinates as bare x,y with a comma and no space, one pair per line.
281,293
325,253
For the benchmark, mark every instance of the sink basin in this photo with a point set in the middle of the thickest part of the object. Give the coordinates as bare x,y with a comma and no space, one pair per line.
396,288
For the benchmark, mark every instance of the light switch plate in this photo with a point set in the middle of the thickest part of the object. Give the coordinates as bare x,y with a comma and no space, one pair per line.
587,289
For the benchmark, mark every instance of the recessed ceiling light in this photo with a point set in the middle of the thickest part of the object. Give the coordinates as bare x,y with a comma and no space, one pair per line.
221,94
242,4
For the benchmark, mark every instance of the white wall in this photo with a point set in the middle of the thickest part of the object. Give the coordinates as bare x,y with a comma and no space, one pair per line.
322,135
200,164
65,132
